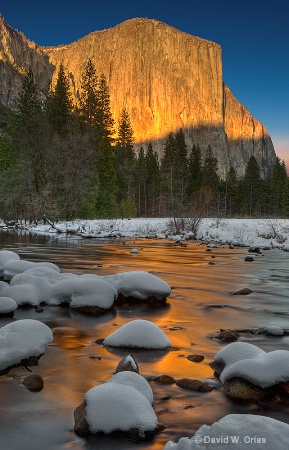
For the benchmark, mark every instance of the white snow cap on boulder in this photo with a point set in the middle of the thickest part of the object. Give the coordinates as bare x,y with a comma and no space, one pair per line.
140,285
251,363
89,290
138,334
114,406
22,339
5,256
14,267
134,380
7,305
240,431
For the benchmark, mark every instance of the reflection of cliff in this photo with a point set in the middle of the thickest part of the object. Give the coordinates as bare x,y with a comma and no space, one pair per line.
165,78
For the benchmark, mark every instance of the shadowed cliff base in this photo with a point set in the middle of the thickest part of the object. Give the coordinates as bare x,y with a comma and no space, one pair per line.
229,152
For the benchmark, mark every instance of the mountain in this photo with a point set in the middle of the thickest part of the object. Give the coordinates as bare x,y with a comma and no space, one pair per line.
165,78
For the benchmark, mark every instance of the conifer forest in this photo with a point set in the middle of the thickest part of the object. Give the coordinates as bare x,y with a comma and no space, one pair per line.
60,160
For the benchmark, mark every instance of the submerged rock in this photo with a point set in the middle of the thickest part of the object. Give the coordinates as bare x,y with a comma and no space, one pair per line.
33,382
226,336
194,385
244,291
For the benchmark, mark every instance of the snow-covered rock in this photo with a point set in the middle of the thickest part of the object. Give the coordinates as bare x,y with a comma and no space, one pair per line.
5,257
22,339
14,267
138,334
237,431
286,248
7,305
237,351
264,370
134,380
127,364
274,331
113,406
84,291
140,285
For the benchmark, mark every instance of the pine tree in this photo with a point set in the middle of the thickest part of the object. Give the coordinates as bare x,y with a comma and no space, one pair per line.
231,194
277,180
153,180
181,167
59,105
285,199
89,102
104,122
140,173
251,185
125,156
195,170
106,206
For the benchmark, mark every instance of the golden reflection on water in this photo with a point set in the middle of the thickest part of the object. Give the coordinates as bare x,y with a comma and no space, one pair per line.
200,304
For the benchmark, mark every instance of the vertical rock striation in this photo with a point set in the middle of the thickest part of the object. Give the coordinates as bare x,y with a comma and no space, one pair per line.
165,78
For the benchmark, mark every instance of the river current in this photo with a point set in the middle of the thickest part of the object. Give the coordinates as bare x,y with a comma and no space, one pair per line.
200,304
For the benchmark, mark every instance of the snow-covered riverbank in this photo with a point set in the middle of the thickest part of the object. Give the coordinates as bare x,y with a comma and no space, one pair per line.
273,232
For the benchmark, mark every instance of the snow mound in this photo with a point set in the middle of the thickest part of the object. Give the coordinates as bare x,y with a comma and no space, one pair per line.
14,267
140,285
242,431
274,331
22,339
49,274
7,305
138,334
266,369
113,406
237,351
84,291
135,381
5,257
26,288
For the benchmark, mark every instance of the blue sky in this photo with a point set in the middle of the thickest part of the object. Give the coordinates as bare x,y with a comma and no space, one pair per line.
254,36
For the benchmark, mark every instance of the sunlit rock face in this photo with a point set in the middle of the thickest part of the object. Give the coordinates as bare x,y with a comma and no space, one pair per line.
165,78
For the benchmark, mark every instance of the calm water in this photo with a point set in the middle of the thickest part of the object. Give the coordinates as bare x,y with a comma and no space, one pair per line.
201,303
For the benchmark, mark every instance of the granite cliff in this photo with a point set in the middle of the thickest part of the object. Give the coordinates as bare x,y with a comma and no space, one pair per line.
165,78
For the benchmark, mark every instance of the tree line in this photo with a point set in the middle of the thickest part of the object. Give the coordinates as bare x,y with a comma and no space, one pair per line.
62,160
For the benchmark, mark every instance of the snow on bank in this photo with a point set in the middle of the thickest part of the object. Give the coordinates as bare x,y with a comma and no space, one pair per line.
274,232
240,431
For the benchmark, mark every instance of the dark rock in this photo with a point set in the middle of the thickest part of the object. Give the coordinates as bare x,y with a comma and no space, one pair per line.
226,336
136,434
231,246
164,379
194,385
150,301
254,249
128,364
99,341
211,263
90,310
33,382
26,362
244,291
217,367
243,389
80,424
249,258
39,309
196,358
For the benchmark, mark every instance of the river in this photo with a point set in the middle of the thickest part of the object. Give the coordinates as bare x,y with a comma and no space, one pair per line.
200,304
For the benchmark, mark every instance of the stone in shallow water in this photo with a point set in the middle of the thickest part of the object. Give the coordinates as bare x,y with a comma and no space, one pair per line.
194,385
196,358
244,291
33,382
127,364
